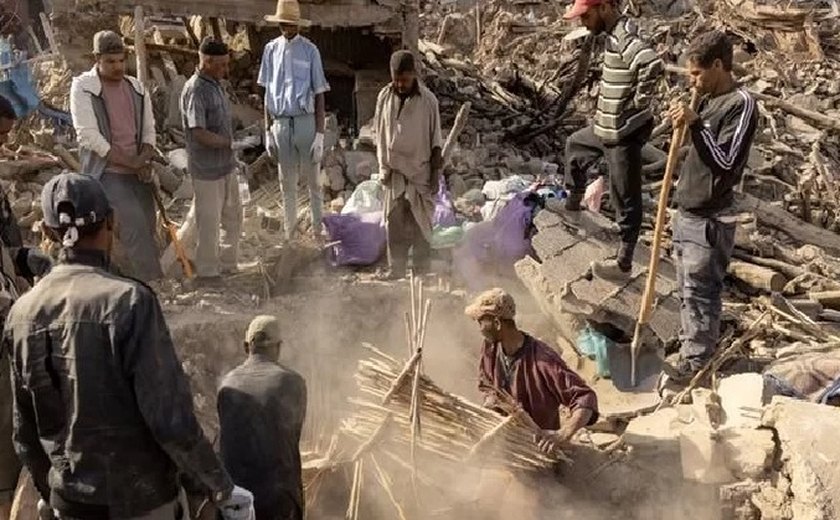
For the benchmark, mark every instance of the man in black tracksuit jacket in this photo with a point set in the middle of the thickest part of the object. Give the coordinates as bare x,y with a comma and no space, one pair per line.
704,230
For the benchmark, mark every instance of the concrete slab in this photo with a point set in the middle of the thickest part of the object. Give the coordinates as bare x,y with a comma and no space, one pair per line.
809,455
748,453
742,398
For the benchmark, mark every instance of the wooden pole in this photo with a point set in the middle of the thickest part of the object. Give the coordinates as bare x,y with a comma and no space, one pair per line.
140,45
677,139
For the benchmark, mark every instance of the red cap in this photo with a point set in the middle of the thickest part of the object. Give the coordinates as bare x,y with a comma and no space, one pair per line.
580,7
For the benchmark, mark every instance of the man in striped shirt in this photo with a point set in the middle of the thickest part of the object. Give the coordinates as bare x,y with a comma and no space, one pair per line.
704,230
622,125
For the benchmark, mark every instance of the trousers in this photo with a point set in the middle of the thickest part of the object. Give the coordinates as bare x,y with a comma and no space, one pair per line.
294,137
404,233
624,162
217,203
702,250
136,251
164,512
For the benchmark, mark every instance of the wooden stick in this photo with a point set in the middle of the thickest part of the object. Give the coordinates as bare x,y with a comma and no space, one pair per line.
374,438
400,380
457,128
386,485
408,333
677,139
488,437
140,45
45,23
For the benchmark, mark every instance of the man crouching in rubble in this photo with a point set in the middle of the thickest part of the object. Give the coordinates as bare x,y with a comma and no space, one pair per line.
104,418
408,147
262,405
704,228
517,365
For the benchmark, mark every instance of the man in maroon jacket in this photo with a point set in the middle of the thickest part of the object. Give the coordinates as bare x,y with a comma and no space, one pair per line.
514,363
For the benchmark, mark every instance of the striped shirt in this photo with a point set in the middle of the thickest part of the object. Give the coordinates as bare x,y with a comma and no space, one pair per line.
721,139
629,75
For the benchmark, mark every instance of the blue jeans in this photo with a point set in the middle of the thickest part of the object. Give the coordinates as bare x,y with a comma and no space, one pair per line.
702,249
294,137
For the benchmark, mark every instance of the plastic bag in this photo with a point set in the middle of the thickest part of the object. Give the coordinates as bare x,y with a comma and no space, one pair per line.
443,238
444,215
593,344
366,198
361,238
594,194
240,506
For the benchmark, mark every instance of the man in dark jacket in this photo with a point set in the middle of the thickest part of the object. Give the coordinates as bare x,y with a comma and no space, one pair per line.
704,230
262,405
104,419
18,266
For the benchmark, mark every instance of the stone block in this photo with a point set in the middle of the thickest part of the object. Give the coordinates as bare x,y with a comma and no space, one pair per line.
748,452
702,455
742,398
809,455
657,431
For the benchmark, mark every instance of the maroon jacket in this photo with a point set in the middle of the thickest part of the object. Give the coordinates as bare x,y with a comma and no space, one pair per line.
541,382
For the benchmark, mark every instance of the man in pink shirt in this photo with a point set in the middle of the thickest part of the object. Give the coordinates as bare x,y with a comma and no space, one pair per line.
115,127
518,365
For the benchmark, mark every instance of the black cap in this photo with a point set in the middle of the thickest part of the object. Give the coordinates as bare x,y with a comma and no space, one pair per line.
74,200
212,47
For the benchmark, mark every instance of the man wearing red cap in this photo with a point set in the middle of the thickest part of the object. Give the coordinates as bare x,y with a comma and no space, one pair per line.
623,123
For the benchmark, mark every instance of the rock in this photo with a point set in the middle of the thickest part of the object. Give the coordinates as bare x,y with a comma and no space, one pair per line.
772,503
335,176
659,431
360,165
742,397
748,453
808,455
457,185
702,455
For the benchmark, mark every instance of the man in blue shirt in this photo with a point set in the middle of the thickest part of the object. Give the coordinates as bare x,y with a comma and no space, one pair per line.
293,77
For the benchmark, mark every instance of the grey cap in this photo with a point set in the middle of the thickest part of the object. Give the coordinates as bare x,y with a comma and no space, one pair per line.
74,200
108,42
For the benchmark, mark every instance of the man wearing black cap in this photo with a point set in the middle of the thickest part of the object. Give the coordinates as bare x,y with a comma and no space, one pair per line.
104,419
409,152
208,126
17,262
115,126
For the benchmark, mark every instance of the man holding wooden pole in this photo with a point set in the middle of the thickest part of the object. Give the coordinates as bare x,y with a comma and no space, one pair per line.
721,134
622,125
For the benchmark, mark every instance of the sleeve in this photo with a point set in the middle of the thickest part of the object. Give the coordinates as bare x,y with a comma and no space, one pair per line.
149,132
379,129
319,80
302,405
726,151
84,121
24,434
164,397
648,68
195,109
264,76
485,372
571,390
9,230
437,134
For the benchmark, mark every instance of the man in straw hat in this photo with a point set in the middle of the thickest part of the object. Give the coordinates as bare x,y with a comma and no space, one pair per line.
112,115
293,77
96,382
622,125
408,148
515,364
262,405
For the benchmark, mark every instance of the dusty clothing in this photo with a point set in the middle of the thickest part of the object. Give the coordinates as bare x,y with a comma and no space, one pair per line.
720,146
262,405
403,234
204,104
217,203
812,377
294,137
538,379
406,133
92,124
164,512
292,74
120,109
136,252
103,411
628,82
9,464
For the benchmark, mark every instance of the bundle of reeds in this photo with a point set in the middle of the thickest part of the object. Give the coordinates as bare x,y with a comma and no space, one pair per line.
453,427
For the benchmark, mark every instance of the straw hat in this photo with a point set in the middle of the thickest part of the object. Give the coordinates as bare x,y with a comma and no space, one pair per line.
288,11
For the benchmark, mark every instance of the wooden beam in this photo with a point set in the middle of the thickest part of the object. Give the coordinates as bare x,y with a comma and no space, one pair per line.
140,45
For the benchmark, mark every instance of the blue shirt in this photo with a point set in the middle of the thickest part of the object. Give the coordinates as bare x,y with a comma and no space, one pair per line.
292,74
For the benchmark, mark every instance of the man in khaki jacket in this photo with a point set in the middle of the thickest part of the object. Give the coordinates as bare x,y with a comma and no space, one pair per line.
408,147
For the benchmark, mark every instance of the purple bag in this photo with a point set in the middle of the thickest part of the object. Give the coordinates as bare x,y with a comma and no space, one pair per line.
491,248
362,239
444,209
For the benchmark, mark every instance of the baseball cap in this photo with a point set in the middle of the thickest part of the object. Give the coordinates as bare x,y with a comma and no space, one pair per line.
263,331
73,200
580,7
495,302
108,42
